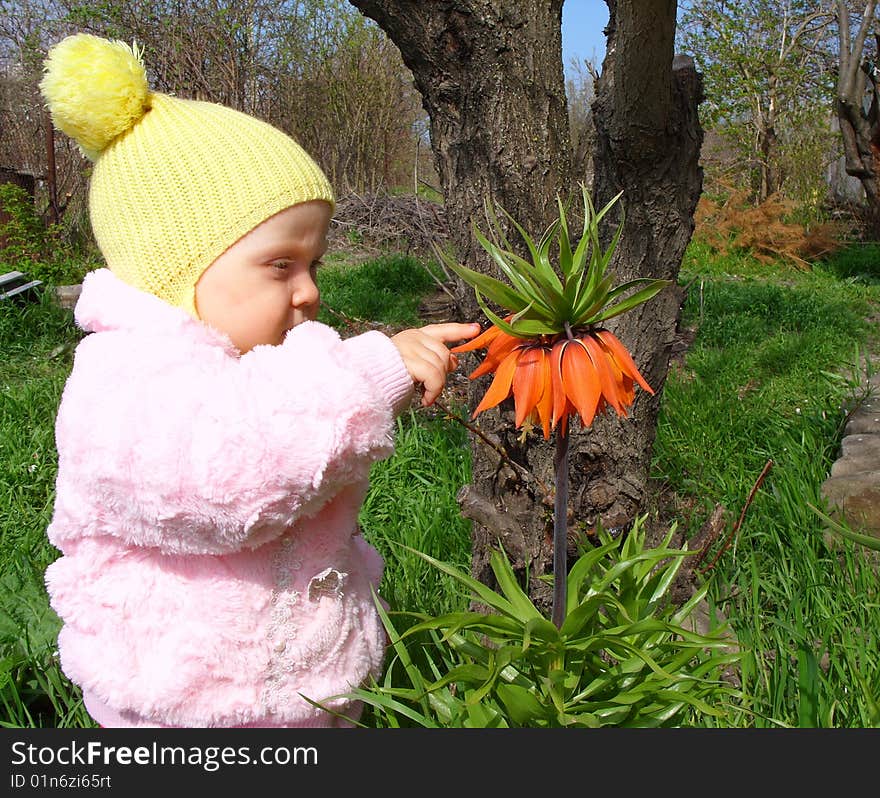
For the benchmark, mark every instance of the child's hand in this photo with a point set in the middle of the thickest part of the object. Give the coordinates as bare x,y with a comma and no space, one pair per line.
426,357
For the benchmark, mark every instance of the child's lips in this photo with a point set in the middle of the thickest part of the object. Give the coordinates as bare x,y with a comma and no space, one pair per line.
302,316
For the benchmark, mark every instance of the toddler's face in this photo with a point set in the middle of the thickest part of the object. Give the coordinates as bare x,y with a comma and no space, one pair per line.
264,284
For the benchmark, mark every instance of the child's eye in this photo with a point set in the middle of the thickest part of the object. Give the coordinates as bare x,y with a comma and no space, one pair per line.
280,265
316,264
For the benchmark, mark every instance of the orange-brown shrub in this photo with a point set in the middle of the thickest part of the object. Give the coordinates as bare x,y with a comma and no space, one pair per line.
764,231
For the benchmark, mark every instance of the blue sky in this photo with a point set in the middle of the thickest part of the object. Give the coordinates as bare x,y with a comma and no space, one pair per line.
582,25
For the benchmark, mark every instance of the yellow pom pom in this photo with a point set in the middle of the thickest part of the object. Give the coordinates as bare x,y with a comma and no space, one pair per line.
95,89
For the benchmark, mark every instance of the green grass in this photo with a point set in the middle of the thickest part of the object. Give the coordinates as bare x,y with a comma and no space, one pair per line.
767,378
773,366
387,290
412,503
37,341
755,371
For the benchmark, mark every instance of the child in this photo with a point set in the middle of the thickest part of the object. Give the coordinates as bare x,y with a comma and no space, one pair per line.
214,440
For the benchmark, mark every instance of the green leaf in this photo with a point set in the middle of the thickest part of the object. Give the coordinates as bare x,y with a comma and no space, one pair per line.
599,260
501,626
566,258
481,591
868,541
543,631
483,717
571,293
516,276
498,292
543,246
524,279
577,617
539,263
630,302
599,216
468,673
870,701
412,672
606,256
580,253
592,301
808,688
494,224
623,566
582,567
524,328
388,703
666,576
511,588
651,283
522,705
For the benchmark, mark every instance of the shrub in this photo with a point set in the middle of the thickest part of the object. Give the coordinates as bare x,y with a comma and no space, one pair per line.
765,231
27,246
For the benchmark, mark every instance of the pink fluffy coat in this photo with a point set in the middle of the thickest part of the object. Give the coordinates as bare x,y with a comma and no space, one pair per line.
206,512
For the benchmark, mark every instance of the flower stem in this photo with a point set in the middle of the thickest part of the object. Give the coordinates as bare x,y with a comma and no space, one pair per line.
560,530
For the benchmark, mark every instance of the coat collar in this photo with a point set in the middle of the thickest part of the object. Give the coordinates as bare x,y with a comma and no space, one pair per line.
107,303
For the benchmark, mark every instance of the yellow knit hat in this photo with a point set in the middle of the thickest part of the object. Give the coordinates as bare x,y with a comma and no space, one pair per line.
175,182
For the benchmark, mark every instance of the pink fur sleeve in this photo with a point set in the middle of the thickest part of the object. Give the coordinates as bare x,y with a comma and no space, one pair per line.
213,454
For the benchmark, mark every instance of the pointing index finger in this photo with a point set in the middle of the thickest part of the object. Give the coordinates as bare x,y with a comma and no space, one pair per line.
452,331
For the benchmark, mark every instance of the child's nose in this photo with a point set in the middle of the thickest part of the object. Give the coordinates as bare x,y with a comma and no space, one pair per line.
305,292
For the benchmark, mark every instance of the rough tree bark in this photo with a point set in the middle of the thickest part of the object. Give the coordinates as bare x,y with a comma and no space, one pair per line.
649,140
491,77
860,128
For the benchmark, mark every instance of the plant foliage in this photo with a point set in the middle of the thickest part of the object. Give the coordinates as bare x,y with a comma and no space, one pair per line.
623,656
542,299
27,246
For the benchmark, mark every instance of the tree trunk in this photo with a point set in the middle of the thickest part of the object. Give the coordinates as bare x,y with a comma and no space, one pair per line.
491,78
649,140
859,128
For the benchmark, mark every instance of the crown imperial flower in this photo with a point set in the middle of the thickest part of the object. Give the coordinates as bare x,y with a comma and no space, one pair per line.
552,352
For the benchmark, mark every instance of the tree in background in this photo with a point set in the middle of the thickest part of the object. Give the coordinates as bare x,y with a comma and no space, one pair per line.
491,79
345,92
315,68
24,127
768,79
580,90
857,98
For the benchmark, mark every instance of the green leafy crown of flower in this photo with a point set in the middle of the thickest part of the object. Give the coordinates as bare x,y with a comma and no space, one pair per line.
543,302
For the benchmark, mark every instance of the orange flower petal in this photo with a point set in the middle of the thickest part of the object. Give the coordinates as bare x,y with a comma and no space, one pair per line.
556,382
628,391
581,380
544,407
499,349
499,390
620,379
606,377
622,356
562,406
503,339
528,382
480,342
